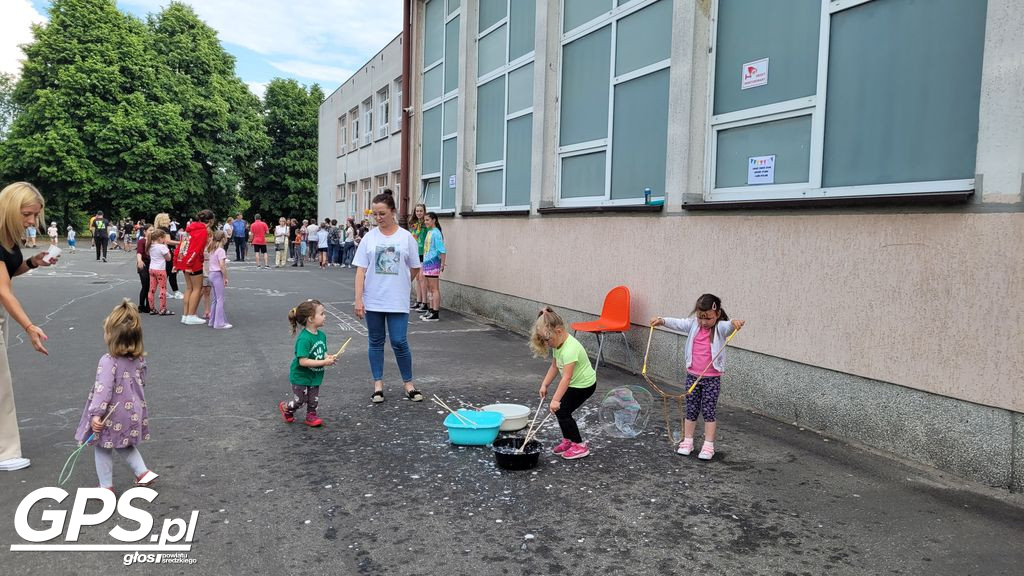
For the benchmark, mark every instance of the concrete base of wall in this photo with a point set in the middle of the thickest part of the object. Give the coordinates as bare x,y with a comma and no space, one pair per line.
975,442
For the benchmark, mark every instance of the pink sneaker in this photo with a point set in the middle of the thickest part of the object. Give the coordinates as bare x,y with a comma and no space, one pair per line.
576,451
707,451
685,447
562,446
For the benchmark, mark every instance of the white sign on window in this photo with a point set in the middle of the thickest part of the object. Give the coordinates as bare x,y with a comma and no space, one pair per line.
755,74
761,170
451,181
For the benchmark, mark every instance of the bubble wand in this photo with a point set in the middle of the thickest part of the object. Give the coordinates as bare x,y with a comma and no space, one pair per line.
69,465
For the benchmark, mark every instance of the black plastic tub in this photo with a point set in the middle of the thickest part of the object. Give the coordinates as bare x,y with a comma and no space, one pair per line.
507,457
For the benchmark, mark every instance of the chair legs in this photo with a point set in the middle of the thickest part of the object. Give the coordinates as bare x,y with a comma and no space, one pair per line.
600,350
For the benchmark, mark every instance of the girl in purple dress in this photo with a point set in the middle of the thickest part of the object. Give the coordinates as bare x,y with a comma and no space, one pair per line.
116,408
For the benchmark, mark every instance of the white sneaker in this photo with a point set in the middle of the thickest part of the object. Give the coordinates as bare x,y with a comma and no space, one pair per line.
194,321
183,319
224,327
179,296
12,464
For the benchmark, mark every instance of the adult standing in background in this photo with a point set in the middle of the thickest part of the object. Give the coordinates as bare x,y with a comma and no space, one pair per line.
21,205
311,229
142,266
281,243
258,231
100,236
239,229
348,249
386,264
189,260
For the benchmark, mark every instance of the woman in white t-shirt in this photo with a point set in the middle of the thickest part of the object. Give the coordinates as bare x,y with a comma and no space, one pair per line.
281,243
387,261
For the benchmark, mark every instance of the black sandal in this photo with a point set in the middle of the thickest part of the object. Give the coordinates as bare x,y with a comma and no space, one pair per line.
414,395
166,312
377,397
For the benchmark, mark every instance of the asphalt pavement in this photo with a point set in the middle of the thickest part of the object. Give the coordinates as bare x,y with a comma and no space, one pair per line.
380,490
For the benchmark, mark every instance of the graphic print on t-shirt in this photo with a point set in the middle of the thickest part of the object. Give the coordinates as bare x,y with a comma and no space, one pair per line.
386,259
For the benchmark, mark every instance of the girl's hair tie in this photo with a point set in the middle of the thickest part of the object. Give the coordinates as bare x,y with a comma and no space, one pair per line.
293,310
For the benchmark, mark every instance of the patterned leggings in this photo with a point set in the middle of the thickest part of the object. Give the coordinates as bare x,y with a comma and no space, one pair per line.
308,395
704,397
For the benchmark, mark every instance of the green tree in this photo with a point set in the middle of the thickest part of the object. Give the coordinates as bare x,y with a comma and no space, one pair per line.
225,133
285,182
95,130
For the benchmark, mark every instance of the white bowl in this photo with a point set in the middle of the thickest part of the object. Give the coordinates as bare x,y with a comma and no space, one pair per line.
516,415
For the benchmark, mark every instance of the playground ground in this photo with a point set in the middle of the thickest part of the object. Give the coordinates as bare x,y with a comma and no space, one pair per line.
379,490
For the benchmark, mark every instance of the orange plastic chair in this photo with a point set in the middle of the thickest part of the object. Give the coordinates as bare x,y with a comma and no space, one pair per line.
614,318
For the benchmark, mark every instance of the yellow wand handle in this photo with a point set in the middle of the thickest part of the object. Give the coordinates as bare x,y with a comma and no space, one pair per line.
648,351
343,346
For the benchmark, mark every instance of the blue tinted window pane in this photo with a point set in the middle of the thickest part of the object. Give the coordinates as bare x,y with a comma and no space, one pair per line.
640,136
786,34
643,37
583,175
788,140
585,81
905,107
517,161
488,187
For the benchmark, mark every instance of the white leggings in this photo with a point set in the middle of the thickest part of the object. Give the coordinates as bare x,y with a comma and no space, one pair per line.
105,463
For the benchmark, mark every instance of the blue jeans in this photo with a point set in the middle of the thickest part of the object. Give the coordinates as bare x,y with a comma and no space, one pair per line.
397,327
349,249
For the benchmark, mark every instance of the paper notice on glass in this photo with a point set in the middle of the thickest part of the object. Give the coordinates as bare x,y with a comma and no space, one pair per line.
754,74
761,170
451,181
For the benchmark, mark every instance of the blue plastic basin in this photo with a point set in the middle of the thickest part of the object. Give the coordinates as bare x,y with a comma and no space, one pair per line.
483,433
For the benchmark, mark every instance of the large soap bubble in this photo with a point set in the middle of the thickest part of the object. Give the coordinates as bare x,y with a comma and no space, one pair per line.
624,411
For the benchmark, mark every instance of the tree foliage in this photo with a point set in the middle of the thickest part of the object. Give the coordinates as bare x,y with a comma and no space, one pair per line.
8,109
285,182
130,117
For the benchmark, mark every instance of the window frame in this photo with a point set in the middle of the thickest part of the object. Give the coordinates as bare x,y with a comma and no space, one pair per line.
383,112
396,119
813,106
505,70
353,121
343,134
611,18
366,110
439,102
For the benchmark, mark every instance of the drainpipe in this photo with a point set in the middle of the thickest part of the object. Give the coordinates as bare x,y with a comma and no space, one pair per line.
404,105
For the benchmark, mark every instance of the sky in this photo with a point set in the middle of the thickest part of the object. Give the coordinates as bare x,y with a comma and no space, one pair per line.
312,41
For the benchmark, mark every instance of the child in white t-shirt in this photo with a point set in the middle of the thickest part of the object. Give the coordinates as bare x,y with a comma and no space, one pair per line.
71,239
159,255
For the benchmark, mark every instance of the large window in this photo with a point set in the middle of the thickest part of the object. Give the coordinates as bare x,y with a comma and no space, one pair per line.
504,115
613,128
397,117
367,125
821,99
342,134
383,113
353,122
440,104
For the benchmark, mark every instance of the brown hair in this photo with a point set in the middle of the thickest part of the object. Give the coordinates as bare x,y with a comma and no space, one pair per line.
122,331
707,303
301,314
547,322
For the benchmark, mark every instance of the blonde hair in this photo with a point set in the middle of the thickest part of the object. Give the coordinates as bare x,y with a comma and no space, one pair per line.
122,331
301,314
547,322
12,199
217,238
162,220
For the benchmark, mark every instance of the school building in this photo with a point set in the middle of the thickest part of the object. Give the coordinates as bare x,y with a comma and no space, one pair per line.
847,175
359,142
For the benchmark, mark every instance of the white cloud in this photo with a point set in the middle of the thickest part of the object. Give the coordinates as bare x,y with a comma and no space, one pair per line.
331,75
16,19
340,33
